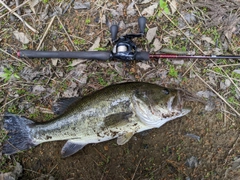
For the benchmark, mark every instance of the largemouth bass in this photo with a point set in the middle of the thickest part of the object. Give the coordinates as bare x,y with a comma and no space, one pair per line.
117,111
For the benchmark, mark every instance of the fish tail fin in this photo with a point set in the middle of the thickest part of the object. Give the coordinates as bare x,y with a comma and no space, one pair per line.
18,132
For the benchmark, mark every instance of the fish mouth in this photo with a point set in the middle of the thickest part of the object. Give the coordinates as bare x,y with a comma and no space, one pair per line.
176,102
175,106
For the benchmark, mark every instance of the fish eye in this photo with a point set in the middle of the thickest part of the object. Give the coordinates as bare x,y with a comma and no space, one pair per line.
165,91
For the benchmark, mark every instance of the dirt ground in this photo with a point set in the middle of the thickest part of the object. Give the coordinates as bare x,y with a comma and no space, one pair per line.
201,145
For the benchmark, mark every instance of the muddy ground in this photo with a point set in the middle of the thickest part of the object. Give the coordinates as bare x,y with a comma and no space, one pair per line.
201,145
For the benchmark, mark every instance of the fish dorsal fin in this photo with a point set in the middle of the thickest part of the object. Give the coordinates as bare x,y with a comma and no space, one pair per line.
71,147
124,138
62,104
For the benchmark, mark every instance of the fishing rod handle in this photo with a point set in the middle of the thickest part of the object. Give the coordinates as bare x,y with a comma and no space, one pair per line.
142,56
98,55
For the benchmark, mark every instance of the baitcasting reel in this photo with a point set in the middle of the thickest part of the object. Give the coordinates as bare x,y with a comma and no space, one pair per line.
125,48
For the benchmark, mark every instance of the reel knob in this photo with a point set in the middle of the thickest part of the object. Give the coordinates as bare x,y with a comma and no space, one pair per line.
142,24
114,31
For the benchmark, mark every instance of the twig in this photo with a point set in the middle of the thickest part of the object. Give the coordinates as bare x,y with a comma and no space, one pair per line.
226,65
65,10
67,33
222,75
19,17
53,169
229,105
234,144
73,36
136,169
102,156
12,101
31,171
3,85
15,57
45,33
25,2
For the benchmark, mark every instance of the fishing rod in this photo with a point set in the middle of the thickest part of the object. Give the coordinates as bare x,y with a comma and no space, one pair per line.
124,49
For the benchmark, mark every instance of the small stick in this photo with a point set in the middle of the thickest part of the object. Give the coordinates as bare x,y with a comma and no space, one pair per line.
136,169
3,106
65,10
15,8
102,156
45,33
19,17
229,152
67,34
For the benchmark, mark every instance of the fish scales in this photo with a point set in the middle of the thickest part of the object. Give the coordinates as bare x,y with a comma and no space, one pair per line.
117,111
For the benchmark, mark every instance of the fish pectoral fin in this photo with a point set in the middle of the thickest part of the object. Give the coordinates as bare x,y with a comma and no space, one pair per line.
71,147
124,138
117,119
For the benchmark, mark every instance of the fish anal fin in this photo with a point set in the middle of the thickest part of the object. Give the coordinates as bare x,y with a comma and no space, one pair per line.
62,104
71,147
124,138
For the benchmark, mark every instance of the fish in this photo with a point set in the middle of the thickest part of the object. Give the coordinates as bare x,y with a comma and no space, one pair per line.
116,111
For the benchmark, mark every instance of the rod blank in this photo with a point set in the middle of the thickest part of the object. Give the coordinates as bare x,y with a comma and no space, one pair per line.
177,56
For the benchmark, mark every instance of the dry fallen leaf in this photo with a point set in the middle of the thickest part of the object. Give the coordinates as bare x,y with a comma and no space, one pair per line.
237,71
37,89
208,39
21,37
173,6
54,60
143,66
157,44
149,11
131,10
81,5
33,3
76,62
120,9
95,45
151,34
